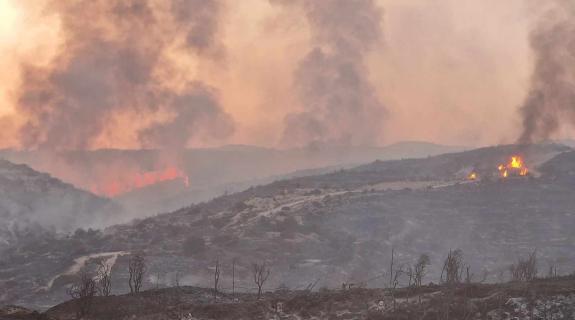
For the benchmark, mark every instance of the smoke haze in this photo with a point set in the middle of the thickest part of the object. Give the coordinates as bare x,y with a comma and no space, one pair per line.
275,73
551,97
340,103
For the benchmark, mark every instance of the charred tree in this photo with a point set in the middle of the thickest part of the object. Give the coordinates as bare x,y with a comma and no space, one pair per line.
234,277
83,292
397,273
391,268
524,269
419,272
104,277
217,271
136,270
451,275
552,273
452,268
261,272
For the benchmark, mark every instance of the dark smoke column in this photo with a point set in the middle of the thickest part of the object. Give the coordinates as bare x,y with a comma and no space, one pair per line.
551,99
340,105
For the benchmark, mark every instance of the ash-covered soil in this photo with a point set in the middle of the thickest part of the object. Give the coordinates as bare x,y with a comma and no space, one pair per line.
538,299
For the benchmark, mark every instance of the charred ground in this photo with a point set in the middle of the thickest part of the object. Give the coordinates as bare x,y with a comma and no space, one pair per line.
538,299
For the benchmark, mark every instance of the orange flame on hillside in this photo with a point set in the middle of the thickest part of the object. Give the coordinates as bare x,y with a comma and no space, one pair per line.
515,167
472,176
134,181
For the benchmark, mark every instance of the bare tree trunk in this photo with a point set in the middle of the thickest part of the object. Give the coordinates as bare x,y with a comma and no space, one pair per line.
83,292
131,281
137,270
159,277
234,278
396,274
104,276
261,273
391,268
216,279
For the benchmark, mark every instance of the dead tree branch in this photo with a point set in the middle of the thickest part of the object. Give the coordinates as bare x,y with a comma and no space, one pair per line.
217,271
137,270
83,292
104,278
261,272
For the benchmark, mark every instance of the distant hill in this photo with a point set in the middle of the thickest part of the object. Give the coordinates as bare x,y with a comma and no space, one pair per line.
31,199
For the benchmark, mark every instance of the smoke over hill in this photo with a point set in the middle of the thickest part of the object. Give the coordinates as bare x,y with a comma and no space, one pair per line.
154,73
340,103
551,100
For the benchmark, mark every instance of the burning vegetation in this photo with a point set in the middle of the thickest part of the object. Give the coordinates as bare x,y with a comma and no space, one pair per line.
472,176
515,168
121,185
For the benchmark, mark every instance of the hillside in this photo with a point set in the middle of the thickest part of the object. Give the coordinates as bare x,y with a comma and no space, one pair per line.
31,200
338,227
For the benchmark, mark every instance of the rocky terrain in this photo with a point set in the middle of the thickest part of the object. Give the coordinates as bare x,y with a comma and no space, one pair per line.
330,229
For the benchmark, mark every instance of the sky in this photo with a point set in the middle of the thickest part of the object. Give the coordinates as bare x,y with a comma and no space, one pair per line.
449,71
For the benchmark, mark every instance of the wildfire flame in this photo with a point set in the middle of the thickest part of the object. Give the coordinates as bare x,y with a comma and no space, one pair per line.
139,180
516,162
515,167
472,176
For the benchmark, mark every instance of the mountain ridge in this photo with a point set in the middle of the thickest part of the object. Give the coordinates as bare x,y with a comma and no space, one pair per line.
29,198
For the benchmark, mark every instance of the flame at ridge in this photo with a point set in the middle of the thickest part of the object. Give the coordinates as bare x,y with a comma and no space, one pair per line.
515,167
516,162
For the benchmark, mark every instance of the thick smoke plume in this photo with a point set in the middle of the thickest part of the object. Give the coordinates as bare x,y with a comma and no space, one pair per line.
197,115
340,104
117,58
551,99
199,19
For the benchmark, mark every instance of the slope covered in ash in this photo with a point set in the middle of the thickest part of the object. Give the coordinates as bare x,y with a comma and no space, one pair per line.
341,227
30,199
540,299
